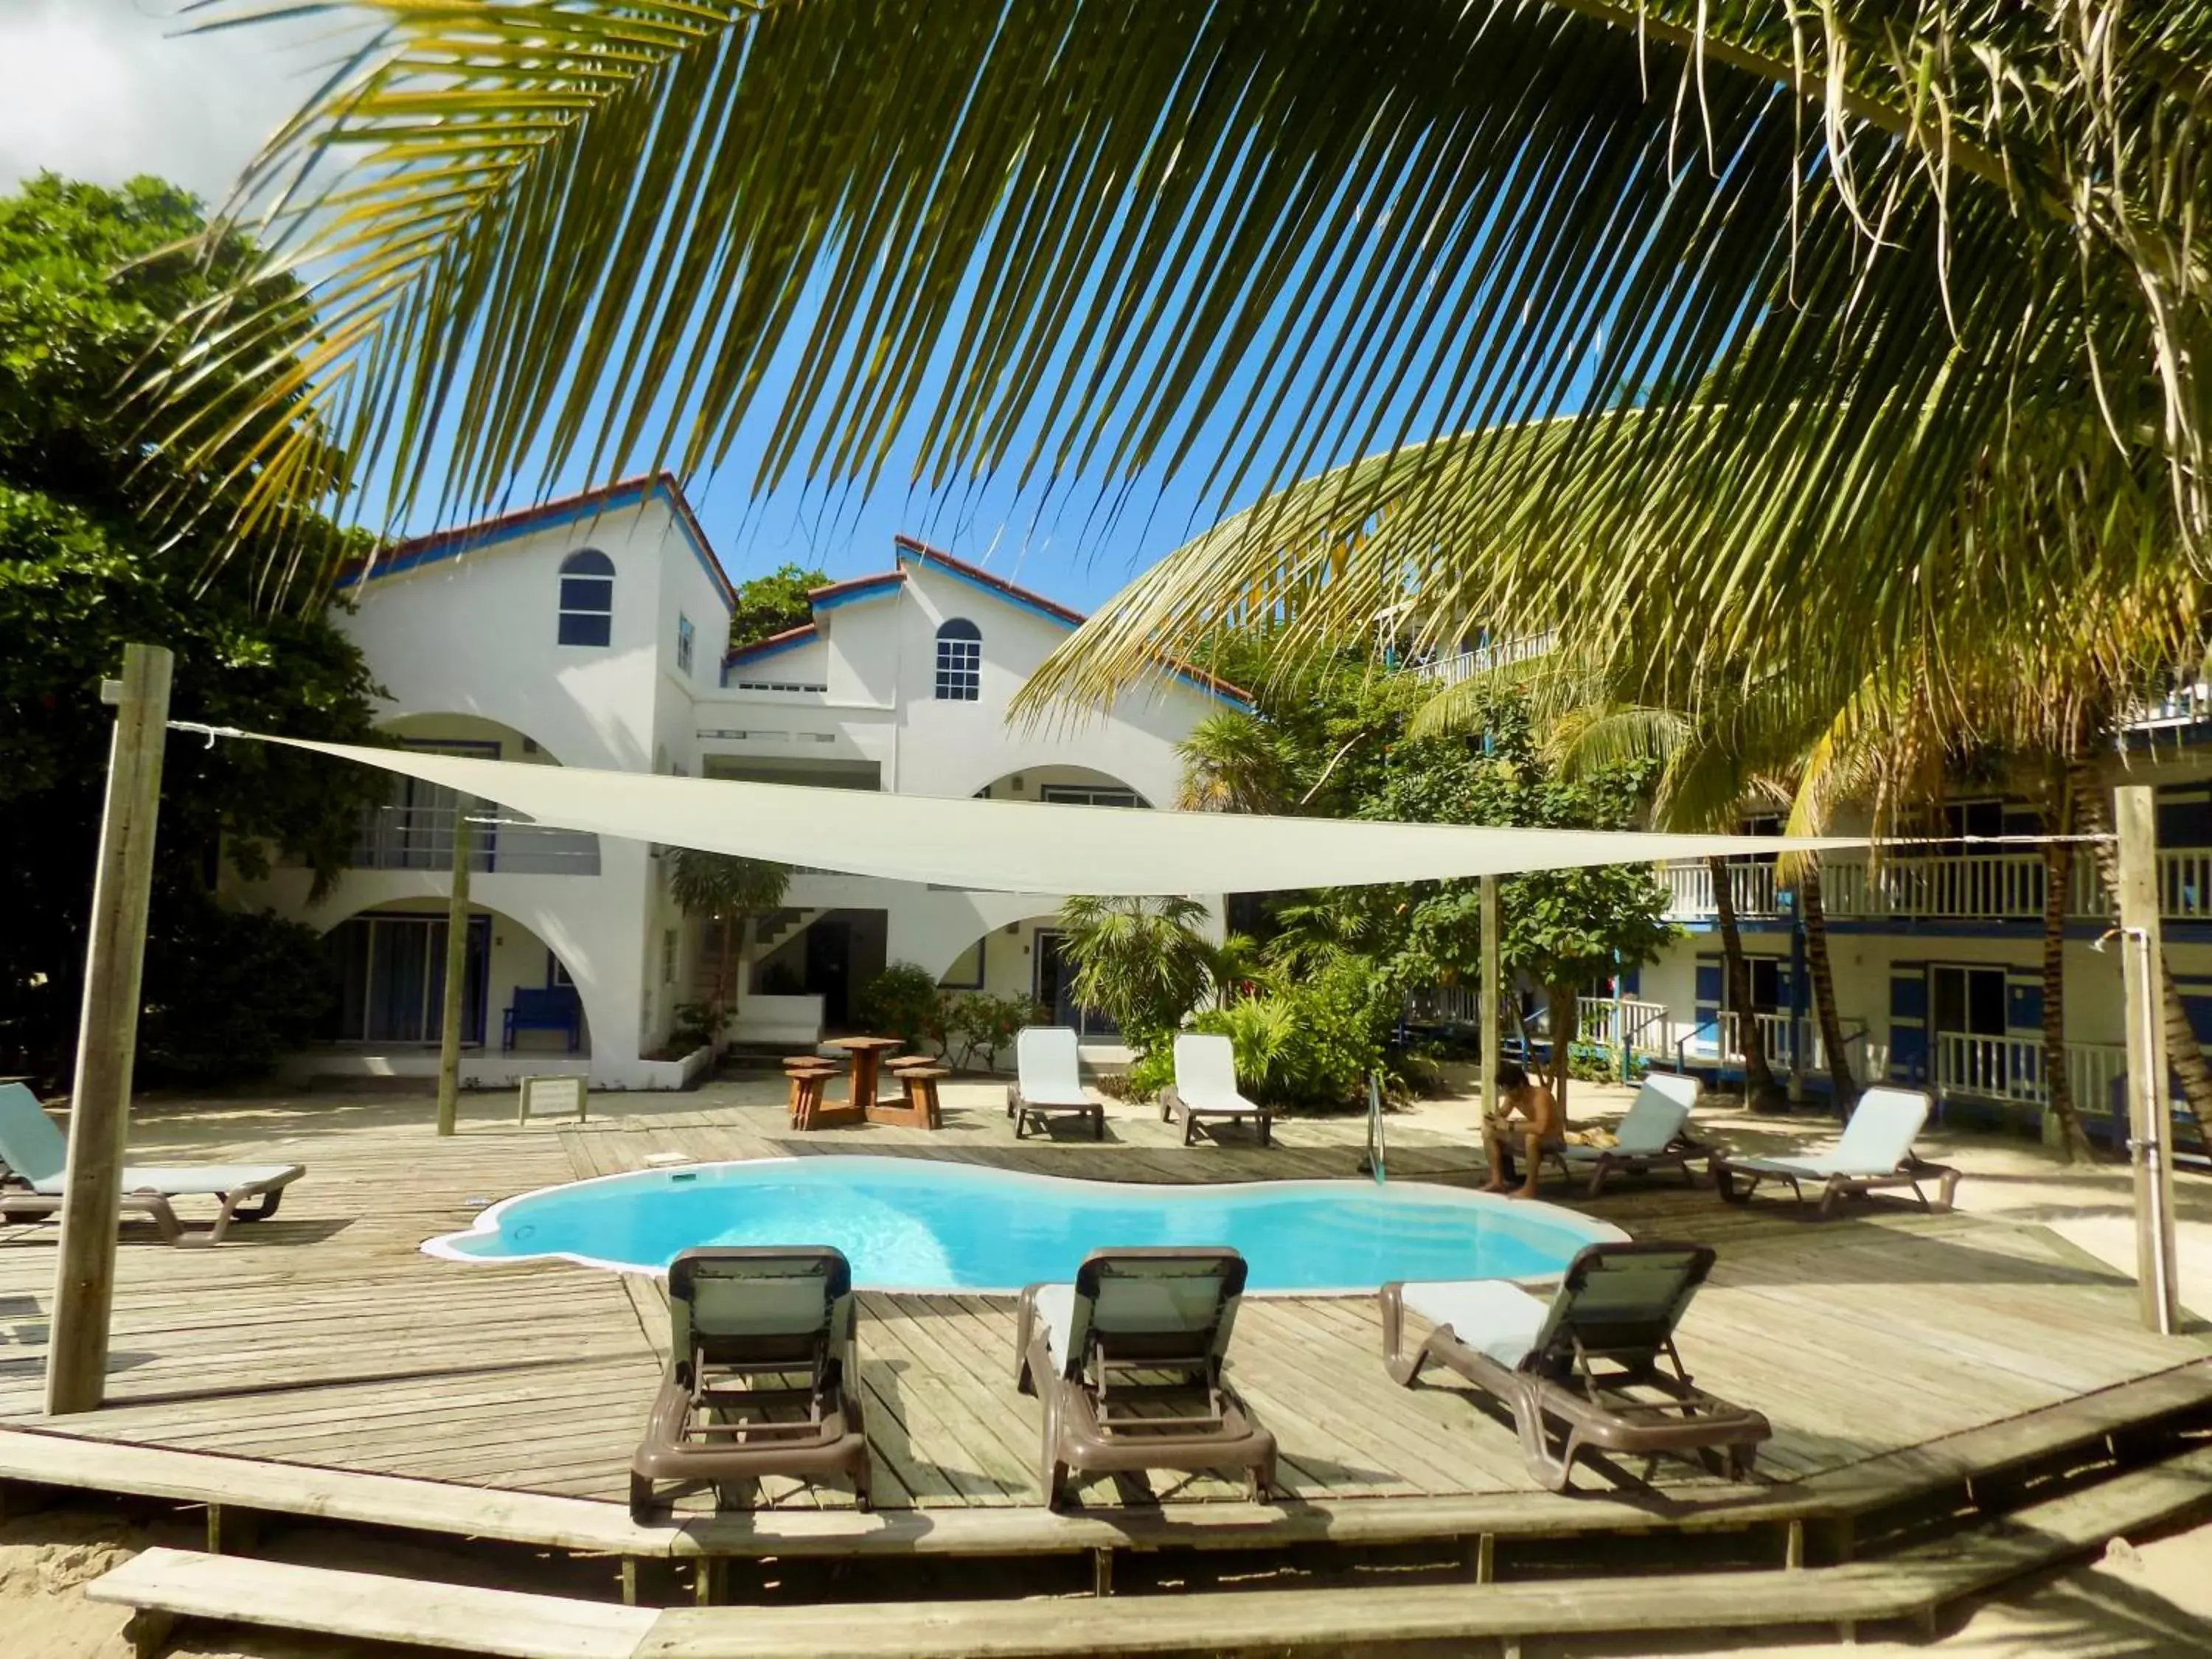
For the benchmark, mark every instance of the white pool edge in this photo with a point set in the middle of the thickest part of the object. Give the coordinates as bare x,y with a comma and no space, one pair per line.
486,1222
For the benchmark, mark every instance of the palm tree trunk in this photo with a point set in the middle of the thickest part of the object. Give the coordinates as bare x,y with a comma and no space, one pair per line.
2183,1054
2057,1082
728,931
1759,1086
1844,1087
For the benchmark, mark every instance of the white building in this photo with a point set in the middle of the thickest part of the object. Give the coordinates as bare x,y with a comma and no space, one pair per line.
591,632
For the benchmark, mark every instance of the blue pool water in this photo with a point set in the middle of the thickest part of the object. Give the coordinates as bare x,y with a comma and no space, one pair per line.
919,1224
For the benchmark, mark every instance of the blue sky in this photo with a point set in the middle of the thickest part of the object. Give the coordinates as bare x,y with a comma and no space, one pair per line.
106,88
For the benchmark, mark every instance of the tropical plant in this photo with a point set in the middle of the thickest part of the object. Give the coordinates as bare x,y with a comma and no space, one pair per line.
1143,962
89,277
1298,236
980,1024
1232,762
728,891
903,1001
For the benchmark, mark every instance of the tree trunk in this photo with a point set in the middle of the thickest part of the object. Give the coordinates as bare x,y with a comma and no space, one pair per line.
1566,1016
2057,1082
1759,1086
1844,1087
2184,1055
721,1009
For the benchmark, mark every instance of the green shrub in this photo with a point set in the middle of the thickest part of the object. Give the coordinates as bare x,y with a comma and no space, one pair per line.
227,992
697,1025
1150,1072
903,1001
979,1025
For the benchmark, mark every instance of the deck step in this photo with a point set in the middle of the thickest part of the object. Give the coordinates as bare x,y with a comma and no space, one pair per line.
173,1583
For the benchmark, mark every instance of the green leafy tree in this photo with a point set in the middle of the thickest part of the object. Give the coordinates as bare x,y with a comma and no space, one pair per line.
89,281
768,604
728,891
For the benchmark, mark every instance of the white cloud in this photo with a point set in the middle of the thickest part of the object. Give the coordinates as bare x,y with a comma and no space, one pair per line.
102,89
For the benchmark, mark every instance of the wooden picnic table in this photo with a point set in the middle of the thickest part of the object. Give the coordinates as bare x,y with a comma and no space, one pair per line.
867,1053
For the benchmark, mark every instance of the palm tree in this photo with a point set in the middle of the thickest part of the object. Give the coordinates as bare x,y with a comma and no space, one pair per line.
1240,242
1143,962
1232,762
728,891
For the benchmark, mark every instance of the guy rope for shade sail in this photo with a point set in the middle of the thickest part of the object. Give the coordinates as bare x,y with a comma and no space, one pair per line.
1026,846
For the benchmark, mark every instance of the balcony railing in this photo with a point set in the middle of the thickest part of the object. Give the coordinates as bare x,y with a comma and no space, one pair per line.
421,838
1499,654
1972,887
2010,1069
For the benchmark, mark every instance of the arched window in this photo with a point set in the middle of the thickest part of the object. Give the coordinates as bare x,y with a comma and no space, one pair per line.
959,661
587,597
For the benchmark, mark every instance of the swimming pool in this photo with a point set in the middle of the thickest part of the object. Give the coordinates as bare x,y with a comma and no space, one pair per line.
922,1225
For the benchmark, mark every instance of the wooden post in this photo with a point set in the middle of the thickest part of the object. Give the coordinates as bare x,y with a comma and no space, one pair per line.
107,1033
457,972
1489,976
2150,1115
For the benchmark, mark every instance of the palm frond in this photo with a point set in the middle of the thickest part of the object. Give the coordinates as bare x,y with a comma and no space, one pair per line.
1081,239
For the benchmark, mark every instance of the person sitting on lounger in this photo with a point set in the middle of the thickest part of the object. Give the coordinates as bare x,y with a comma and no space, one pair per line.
1541,1128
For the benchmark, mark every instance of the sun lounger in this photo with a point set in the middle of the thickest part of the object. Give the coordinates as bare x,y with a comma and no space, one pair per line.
1206,1087
1128,1362
1650,1137
1875,1151
1049,1078
36,1155
1598,1359
744,1321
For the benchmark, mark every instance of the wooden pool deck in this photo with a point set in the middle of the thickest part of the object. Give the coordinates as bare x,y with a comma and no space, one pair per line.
324,1340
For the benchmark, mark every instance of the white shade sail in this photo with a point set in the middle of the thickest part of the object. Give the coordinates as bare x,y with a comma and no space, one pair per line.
1027,847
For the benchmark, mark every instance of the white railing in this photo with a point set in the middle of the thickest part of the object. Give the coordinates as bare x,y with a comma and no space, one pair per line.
421,838
2011,1069
2188,702
1501,653
1992,885
1455,1004
1972,886
1689,885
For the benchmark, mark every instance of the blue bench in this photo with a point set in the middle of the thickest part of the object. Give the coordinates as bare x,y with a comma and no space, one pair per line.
543,1008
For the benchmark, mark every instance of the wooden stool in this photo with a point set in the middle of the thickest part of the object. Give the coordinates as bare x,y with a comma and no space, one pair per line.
920,1082
809,1076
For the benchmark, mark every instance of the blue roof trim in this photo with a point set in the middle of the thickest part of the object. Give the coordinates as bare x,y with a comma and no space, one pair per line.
1020,603
554,517
860,590
767,648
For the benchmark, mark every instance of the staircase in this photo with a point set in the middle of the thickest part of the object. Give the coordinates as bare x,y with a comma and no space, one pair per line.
768,932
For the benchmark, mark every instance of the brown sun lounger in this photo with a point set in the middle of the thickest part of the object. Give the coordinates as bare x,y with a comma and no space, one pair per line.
1128,1361
1596,1364
760,1341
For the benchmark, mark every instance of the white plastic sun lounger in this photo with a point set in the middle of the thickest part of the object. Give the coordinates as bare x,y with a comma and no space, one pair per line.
1651,1136
1875,1151
1049,1078
36,1155
1205,1086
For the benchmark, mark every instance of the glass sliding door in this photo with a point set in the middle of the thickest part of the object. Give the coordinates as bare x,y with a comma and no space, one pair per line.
390,976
